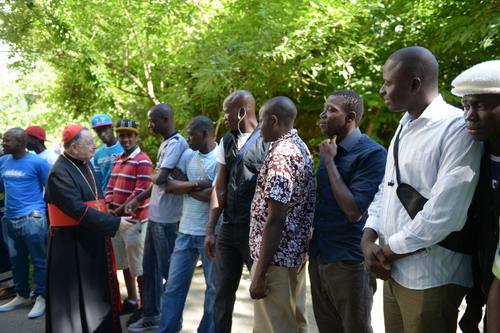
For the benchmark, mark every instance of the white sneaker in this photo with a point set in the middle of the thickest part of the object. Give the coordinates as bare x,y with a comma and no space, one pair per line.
17,302
141,325
38,309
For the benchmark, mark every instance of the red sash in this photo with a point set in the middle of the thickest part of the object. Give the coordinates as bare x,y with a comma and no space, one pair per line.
58,218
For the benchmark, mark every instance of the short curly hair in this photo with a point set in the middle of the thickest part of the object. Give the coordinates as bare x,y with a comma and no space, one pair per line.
352,102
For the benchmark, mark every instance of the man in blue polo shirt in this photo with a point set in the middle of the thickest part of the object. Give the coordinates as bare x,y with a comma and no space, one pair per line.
105,156
25,224
350,170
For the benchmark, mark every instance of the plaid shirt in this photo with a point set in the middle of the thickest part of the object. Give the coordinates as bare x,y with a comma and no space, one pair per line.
130,176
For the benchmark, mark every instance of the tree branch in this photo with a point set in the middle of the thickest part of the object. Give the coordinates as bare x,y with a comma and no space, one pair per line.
147,68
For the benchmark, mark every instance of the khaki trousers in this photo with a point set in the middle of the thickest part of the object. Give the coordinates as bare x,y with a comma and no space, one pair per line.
284,308
433,310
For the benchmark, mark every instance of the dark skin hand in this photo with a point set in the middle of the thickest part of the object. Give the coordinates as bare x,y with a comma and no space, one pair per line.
342,193
217,203
198,189
177,174
391,256
375,259
131,206
271,237
379,260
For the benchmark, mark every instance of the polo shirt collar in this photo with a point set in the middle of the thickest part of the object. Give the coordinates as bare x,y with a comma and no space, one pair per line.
134,153
350,140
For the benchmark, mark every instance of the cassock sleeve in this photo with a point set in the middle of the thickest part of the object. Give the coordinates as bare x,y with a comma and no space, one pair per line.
66,194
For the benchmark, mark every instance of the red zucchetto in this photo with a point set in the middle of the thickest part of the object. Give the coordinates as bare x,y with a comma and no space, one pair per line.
70,131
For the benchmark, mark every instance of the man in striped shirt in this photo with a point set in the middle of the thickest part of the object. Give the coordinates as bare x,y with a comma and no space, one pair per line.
130,176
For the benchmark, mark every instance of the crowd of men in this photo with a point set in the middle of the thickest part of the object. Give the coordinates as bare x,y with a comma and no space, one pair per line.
422,216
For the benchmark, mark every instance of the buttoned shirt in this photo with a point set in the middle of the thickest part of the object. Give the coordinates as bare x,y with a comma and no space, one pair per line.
360,162
287,176
441,161
130,177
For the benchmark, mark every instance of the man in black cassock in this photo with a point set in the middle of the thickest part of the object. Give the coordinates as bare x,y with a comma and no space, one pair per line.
82,288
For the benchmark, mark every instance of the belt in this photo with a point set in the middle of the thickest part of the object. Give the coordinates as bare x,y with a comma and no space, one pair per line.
59,219
23,217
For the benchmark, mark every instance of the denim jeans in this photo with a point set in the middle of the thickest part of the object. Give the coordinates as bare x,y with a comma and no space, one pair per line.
5,265
158,246
26,239
182,265
232,250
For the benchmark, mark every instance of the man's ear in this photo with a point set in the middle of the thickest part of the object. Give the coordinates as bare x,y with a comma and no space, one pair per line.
275,120
351,116
73,147
416,84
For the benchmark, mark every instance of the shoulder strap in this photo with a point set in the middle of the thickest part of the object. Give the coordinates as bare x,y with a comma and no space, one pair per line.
251,140
395,152
202,172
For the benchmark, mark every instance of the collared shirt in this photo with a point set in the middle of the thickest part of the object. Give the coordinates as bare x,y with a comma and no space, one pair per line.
287,176
360,162
167,207
441,161
129,178
195,212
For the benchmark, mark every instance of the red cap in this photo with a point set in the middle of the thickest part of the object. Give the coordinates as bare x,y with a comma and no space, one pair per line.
37,132
70,131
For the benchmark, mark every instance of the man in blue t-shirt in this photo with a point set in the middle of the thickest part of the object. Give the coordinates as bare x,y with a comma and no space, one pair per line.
24,176
350,170
6,280
105,156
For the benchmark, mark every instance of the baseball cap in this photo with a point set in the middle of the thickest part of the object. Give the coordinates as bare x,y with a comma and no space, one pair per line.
101,120
37,132
126,125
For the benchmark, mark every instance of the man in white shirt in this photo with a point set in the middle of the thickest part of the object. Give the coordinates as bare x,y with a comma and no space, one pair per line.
425,282
36,143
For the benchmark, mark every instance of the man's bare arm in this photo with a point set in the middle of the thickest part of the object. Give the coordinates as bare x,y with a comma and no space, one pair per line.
342,193
217,204
271,237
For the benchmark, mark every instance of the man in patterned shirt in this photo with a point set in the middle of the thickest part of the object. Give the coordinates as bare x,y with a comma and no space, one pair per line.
129,177
280,226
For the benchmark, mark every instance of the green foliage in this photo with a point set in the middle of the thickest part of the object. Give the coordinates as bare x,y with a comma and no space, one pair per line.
123,56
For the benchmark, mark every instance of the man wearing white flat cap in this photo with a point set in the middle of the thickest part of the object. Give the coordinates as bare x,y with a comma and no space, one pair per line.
479,87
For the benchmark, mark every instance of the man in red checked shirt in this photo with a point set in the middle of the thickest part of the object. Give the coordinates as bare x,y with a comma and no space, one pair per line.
130,176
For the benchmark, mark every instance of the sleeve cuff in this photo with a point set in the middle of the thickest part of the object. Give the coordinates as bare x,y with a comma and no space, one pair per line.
372,223
399,244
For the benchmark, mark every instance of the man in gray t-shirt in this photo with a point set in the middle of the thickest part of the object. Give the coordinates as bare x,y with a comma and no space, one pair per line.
164,214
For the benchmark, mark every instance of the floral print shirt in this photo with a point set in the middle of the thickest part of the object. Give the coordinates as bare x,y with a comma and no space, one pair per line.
287,176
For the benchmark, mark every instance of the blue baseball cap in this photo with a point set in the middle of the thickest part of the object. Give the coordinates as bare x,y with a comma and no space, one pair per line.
101,120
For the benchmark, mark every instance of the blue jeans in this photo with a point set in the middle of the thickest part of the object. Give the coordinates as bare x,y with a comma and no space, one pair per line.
158,246
26,239
182,265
